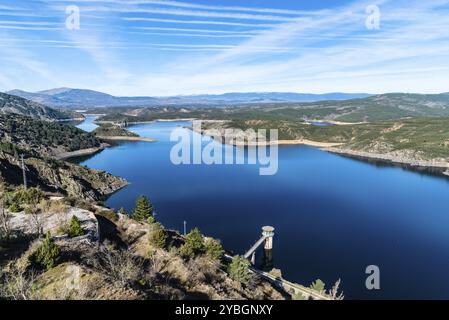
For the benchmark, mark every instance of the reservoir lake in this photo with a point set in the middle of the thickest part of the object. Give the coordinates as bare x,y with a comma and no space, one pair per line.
333,216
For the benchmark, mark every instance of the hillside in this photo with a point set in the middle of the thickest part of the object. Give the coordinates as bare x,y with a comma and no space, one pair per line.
42,137
375,108
41,142
10,104
111,130
421,143
109,255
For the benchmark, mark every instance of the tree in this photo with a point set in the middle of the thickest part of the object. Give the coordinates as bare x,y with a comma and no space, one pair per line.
239,270
75,229
158,237
47,254
318,285
194,244
213,248
143,210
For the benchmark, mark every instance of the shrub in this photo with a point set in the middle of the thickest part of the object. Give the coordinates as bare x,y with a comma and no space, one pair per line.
239,270
213,248
16,200
158,237
14,208
193,245
298,296
122,211
47,254
143,210
30,196
75,229
318,286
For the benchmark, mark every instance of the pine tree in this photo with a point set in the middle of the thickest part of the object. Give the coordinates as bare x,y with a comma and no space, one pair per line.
143,210
47,254
239,270
194,244
213,248
75,229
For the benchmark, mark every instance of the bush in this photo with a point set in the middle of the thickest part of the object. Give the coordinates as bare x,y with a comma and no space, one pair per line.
20,198
47,254
122,211
158,237
298,296
143,210
14,208
318,286
213,248
193,245
239,270
75,229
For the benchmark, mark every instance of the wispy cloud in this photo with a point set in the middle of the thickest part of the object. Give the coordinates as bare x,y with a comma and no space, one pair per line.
129,49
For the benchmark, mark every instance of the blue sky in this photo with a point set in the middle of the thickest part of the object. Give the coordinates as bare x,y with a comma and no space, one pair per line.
159,47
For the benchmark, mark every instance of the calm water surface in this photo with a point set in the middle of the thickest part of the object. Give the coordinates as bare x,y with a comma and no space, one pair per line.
333,216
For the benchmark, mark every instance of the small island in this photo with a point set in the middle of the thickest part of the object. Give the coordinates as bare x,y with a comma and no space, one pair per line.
109,131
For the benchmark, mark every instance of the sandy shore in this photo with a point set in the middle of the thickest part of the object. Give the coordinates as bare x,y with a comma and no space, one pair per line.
125,138
335,122
292,142
80,153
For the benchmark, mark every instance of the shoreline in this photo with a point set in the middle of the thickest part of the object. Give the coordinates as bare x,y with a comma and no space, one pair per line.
80,153
431,166
126,138
440,168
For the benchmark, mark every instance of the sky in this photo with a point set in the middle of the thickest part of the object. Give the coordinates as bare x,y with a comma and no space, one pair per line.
165,47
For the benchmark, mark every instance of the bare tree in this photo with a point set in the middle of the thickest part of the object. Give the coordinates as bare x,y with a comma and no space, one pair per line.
37,221
119,265
17,284
5,226
334,291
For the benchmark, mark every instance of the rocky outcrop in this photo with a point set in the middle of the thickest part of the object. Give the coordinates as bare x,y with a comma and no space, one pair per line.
61,177
54,223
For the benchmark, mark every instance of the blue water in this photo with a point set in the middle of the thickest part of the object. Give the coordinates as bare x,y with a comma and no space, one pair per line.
88,125
333,216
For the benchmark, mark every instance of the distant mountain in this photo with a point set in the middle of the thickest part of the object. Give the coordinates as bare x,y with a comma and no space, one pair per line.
11,104
258,97
81,98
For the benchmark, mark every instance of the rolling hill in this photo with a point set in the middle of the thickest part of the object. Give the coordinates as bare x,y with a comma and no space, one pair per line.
371,109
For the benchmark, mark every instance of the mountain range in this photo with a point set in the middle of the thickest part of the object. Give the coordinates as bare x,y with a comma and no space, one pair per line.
82,98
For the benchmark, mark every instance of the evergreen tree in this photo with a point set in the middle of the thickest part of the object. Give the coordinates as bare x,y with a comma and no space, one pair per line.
194,244
143,210
47,254
318,285
75,229
158,237
239,270
213,248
